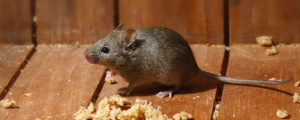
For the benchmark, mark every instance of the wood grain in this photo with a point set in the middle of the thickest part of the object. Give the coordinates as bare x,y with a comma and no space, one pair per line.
196,98
11,58
60,81
276,18
68,21
15,22
253,103
198,21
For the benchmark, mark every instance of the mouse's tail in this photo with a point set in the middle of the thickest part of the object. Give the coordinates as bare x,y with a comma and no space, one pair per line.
243,81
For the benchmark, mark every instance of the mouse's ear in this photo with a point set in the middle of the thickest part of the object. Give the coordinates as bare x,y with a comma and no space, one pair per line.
128,38
120,26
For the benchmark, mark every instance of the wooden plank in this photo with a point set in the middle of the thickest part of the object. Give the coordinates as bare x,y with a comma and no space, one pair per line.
15,22
276,18
11,58
60,81
256,103
208,59
199,21
68,21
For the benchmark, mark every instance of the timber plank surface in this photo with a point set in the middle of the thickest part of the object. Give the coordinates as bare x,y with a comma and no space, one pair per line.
198,21
11,58
276,18
196,98
15,22
68,21
60,81
254,103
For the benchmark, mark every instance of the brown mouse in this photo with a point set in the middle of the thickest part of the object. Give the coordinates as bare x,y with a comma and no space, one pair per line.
153,54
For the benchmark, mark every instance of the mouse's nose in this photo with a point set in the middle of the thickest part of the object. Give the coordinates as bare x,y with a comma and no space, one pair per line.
85,54
90,56
86,57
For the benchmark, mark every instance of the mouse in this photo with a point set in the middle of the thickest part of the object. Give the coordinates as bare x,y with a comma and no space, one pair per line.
154,54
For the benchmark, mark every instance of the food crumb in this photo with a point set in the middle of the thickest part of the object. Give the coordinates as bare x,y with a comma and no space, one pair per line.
227,48
37,119
112,108
84,113
182,116
28,94
7,103
296,97
264,40
274,79
216,112
297,84
282,113
77,44
196,97
110,77
271,51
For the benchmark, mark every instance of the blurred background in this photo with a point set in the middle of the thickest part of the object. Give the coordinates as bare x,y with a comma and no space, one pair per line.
199,21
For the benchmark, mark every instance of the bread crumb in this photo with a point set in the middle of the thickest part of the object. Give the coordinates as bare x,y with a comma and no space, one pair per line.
8,103
297,84
142,109
37,119
84,113
296,97
274,79
271,51
77,44
264,40
110,78
28,94
182,116
216,112
282,113
112,108
227,48
196,97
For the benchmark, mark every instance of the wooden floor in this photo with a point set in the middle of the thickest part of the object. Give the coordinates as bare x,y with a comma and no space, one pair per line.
61,81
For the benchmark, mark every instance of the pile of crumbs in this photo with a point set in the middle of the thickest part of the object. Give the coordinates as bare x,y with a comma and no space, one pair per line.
7,103
118,108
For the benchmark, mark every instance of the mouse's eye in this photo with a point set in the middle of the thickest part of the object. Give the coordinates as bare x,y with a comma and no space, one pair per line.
105,50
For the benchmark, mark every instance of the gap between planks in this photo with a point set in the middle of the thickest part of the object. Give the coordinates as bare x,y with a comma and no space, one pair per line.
17,73
225,62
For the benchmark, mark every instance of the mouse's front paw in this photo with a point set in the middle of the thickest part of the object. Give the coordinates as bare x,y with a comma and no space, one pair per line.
124,92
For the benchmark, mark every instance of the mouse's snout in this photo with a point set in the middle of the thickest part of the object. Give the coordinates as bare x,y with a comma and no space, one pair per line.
91,56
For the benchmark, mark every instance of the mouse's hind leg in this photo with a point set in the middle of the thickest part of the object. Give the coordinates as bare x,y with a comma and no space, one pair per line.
163,94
